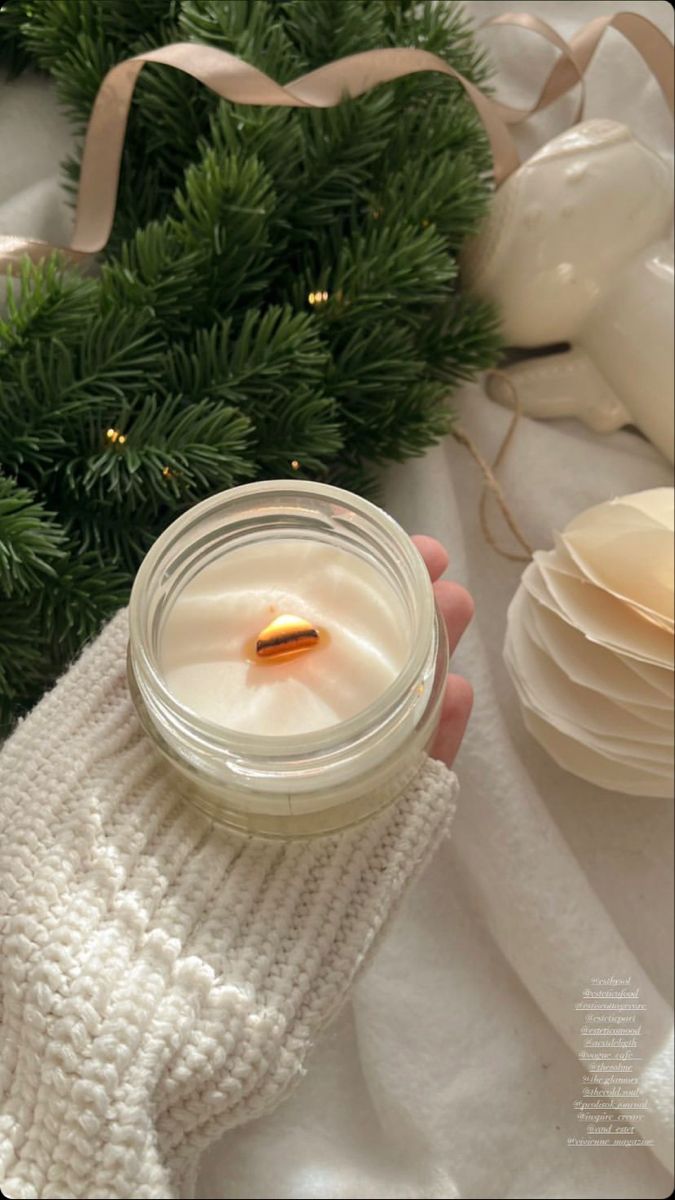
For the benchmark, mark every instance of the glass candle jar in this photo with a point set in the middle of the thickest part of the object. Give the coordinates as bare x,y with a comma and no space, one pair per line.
313,781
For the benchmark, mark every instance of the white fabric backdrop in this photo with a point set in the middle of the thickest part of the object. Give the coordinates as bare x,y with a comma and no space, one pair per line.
453,1072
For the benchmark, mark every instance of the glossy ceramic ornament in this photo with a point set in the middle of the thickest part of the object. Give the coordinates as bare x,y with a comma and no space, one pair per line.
576,250
589,645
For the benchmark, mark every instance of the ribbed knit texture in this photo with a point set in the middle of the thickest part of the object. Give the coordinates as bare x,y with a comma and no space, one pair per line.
162,981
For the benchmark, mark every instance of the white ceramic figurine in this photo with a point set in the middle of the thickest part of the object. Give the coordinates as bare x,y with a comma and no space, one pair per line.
577,249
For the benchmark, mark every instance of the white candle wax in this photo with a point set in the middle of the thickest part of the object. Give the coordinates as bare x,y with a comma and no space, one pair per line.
207,648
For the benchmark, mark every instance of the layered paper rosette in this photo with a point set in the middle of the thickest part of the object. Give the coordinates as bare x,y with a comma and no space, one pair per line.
589,645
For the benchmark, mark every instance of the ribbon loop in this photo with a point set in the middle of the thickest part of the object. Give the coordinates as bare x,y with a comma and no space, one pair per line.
567,70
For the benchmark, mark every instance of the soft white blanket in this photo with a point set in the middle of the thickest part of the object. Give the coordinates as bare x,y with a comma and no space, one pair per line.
454,1071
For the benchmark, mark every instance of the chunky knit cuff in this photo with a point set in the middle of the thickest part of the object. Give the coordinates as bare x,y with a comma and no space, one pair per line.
162,981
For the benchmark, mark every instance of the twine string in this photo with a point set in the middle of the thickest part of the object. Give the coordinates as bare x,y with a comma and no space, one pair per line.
491,485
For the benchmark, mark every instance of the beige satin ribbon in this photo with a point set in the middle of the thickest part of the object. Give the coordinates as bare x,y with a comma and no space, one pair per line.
647,39
241,83
569,72
234,80
577,54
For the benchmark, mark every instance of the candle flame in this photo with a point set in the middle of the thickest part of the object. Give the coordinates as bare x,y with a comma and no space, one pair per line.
286,635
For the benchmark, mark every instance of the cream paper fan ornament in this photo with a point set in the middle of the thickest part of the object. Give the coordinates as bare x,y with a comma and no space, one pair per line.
589,645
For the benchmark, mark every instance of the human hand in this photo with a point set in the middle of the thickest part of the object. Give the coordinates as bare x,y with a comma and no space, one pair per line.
456,608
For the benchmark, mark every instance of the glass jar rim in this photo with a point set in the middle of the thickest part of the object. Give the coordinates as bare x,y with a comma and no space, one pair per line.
331,737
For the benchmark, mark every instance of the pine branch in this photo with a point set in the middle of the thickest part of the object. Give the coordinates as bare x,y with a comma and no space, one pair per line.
207,262
43,300
355,474
49,389
273,367
224,208
14,57
460,339
164,454
264,357
387,404
441,29
24,669
393,269
83,595
251,29
349,24
30,540
78,40
111,536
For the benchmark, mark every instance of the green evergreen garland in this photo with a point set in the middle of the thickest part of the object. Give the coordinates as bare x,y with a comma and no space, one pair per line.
196,360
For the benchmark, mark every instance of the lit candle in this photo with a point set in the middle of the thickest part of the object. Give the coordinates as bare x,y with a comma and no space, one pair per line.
208,646
286,655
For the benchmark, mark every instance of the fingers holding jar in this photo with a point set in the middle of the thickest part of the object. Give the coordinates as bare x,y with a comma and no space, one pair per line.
456,607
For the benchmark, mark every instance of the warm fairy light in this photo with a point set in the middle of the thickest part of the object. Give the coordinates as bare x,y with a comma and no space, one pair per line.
317,297
167,472
114,436
285,635
295,464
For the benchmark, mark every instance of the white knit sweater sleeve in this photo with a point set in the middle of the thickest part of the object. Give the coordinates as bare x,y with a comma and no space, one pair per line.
162,981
